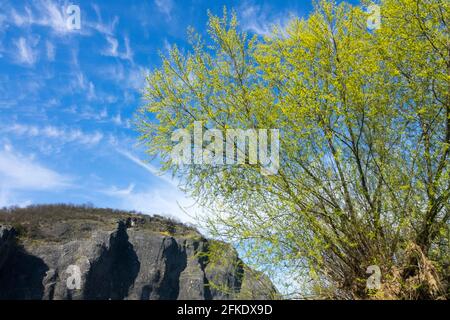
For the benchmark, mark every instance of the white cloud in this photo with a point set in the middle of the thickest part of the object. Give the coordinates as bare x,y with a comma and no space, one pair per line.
116,192
91,95
5,198
52,14
18,172
261,19
87,112
26,54
99,26
117,119
165,7
43,13
113,49
165,200
21,19
150,168
168,202
136,77
132,77
128,54
9,198
64,135
79,80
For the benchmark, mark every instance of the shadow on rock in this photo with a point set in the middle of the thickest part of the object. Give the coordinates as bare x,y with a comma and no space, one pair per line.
112,275
21,276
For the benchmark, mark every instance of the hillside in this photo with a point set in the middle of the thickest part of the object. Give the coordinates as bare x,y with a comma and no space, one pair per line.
116,255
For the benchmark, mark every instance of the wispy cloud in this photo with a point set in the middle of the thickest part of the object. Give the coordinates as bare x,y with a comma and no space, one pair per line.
136,77
132,77
165,7
18,172
43,13
148,167
53,15
6,199
128,54
117,119
168,202
21,18
113,48
26,52
65,135
261,19
80,82
10,198
100,26
116,192
165,199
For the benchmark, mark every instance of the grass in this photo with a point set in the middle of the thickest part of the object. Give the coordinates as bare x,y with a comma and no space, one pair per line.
64,221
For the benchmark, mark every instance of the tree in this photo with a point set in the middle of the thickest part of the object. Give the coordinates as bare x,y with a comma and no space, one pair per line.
364,117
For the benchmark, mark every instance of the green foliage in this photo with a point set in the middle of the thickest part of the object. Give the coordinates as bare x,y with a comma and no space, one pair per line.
365,138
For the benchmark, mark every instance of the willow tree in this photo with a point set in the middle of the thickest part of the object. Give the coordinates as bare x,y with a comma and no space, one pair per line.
364,142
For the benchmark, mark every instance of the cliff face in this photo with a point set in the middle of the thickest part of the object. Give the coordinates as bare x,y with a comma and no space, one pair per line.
66,252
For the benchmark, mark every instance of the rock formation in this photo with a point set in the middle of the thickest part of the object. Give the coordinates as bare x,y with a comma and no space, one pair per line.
69,252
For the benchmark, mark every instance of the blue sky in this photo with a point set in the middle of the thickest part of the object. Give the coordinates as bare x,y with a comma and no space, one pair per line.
67,97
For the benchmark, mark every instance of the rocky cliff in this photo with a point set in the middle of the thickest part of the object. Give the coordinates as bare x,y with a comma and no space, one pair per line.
69,252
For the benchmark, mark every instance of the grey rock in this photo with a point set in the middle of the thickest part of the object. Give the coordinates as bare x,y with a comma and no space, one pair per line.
121,260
